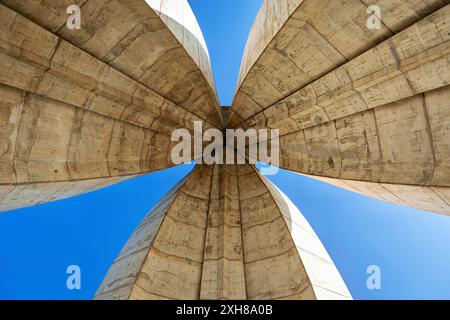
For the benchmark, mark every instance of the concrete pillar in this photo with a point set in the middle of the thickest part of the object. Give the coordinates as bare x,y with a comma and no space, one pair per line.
83,109
224,233
362,108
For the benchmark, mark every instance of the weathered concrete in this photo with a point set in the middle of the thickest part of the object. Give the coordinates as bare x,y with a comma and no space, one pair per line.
224,233
303,43
366,110
360,105
223,260
97,103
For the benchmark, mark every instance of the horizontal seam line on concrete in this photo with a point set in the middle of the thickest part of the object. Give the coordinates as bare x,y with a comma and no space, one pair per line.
262,223
71,181
113,289
159,251
134,252
271,257
223,258
185,223
152,292
255,197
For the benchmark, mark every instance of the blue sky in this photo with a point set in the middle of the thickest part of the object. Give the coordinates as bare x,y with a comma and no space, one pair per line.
37,244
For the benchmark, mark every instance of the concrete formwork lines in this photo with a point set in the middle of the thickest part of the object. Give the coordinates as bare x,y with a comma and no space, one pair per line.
433,199
80,118
161,27
365,110
58,71
242,236
301,231
30,194
213,192
430,136
429,55
223,275
415,155
145,240
360,88
232,264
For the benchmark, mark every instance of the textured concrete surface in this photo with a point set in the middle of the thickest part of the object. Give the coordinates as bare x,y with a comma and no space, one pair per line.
224,233
365,110
96,103
367,107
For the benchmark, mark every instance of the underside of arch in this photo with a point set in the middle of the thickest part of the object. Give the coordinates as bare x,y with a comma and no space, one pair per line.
224,233
80,109
364,109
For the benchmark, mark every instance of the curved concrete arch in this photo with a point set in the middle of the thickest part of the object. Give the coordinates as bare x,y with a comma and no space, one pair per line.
366,106
156,43
180,19
88,108
270,19
224,233
366,110
294,43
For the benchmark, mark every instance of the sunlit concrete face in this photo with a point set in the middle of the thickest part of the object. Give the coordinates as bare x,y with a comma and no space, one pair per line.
224,233
364,109
82,109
